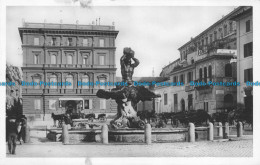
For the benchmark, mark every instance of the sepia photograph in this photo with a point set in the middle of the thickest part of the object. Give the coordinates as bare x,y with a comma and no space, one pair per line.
155,81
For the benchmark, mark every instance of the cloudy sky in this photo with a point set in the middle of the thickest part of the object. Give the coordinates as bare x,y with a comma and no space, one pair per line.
154,33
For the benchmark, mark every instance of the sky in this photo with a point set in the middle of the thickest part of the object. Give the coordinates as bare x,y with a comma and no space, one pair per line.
155,33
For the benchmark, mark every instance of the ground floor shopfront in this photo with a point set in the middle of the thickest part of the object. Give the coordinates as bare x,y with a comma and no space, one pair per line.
38,108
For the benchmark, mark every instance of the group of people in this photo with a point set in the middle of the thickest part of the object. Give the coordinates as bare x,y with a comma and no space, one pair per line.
15,130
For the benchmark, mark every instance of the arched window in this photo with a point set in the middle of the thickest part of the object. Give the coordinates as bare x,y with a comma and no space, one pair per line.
210,73
85,80
69,59
69,79
200,74
228,70
53,78
205,74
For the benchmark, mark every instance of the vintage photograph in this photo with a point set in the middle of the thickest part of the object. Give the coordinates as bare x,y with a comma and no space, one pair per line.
129,81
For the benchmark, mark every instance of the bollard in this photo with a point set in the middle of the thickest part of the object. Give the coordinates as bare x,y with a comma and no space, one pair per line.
104,134
239,129
148,134
27,134
191,132
226,131
220,129
47,129
210,132
65,134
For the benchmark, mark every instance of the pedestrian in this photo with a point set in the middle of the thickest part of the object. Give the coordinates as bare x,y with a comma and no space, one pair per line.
11,132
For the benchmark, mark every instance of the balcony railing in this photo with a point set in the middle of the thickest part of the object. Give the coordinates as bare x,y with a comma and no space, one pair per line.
60,91
69,66
204,82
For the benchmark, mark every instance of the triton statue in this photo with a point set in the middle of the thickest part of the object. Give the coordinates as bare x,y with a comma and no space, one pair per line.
127,97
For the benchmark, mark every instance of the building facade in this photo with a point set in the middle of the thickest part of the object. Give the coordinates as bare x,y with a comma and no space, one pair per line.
208,57
68,54
244,21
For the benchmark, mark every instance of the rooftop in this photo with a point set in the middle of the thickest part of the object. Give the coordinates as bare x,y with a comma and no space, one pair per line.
216,23
67,26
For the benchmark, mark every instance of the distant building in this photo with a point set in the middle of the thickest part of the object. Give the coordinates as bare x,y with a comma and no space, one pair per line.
207,57
72,53
244,21
13,92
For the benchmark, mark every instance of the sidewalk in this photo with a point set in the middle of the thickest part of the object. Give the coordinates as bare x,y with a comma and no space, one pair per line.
237,147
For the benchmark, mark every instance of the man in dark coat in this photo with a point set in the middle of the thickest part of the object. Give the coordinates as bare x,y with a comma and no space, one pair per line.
11,132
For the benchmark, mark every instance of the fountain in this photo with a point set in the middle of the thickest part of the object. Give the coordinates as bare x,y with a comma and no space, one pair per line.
127,96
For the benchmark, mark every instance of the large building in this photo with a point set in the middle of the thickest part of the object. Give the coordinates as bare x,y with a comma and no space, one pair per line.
72,53
208,57
244,23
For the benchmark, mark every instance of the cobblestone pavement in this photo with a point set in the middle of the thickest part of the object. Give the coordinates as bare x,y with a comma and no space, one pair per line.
235,148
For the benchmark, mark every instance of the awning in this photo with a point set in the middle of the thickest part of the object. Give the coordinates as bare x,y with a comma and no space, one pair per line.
71,99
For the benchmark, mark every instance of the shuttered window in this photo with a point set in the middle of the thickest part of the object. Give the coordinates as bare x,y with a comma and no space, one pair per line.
102,104
248,75
248,49
37,104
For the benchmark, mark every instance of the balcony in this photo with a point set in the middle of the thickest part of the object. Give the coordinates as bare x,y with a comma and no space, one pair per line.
68,66
209,83
82,91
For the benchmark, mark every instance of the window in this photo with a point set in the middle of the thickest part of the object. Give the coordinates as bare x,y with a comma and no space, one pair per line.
69,59
36,41
53,78
37,104
182,78
230,26
52,104
165,98
101,42
206,40
87,104
102,104
36,80
192,61
200,74
175,79
210,73
69,42
228,70
69,79
215,35
53,41
248,49
225,30
206,106
210,38
190,102
36,59
248,28
101,60
85,79
85,60
102,81
190,77
248,75
175,96
205,74
85,42
53,59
